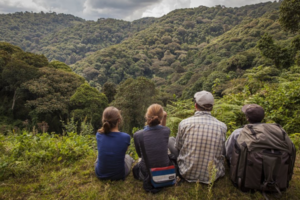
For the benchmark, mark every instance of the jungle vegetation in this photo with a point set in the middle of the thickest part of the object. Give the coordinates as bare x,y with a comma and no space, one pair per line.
57,74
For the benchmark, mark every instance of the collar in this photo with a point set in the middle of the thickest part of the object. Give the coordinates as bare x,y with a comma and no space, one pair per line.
153,127
199,113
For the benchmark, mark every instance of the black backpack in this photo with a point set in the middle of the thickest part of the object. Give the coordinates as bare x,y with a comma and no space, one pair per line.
263,159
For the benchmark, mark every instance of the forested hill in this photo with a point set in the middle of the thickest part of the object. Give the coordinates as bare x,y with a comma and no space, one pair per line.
27,30
188,49
63,37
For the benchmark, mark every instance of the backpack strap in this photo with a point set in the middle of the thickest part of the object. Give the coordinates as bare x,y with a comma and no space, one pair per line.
283,131
252,131
142,145
270,167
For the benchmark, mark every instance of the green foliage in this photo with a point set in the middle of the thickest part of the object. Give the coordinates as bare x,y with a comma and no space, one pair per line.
35,91
133,98
60,65
282,57
87,102
109,89
179,42
296,140
289,15
23,154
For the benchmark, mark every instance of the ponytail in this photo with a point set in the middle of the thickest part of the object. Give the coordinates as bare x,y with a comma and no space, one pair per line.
110,119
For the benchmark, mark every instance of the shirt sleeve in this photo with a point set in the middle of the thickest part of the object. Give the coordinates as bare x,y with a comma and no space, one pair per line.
179,142
230,142
137,145
128,138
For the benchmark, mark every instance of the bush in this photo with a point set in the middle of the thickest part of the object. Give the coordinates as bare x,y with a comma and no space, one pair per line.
24,154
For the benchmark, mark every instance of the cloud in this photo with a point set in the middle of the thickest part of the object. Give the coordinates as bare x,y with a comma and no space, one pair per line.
122,9
165,7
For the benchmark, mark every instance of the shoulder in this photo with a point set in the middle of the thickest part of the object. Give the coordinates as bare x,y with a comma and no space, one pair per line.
187,121
219,123
125,135
138,134
236,132
165,128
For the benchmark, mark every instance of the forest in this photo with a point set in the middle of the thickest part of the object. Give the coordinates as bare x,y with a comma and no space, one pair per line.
59,72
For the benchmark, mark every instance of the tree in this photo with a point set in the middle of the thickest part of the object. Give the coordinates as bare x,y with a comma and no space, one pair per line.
132,98
290,15
282,57
50,94
109,89
60,65
88,102
16,73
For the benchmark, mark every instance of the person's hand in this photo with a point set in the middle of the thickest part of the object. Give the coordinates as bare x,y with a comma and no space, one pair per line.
164,120
165,114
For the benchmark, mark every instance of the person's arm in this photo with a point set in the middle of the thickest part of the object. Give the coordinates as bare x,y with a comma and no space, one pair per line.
230,143
164,120
179,142
137,145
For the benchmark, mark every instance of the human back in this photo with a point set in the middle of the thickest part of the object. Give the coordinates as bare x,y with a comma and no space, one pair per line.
151,145
112,145
200,141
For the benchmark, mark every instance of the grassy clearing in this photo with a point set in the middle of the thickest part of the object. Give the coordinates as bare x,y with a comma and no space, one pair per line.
78,181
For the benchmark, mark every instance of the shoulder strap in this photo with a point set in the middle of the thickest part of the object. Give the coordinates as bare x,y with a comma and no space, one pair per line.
142,145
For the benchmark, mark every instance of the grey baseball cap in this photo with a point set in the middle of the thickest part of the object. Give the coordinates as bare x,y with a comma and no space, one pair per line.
203,98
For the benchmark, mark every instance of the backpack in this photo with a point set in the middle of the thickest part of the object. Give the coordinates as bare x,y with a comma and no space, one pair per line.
263,159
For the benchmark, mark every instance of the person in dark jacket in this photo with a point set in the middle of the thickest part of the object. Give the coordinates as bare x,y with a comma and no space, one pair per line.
156,137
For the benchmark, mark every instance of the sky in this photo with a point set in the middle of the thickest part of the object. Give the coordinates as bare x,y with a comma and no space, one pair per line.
119,9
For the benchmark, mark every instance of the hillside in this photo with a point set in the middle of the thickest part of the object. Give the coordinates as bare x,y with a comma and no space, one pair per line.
27,30
188,48
65,38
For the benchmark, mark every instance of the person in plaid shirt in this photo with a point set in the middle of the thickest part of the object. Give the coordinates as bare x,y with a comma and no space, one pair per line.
200,142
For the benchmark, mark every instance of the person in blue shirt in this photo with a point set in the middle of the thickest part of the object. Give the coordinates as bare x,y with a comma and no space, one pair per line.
112,163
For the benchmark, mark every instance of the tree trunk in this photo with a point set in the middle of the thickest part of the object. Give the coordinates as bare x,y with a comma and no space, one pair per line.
14,100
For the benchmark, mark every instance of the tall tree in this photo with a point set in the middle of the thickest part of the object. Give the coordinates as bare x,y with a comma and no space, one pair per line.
290,15
132,98
51,94
109,89
283,57
88,102
16,73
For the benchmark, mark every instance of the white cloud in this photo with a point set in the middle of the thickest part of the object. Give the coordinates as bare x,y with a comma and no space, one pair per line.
165,7
120,9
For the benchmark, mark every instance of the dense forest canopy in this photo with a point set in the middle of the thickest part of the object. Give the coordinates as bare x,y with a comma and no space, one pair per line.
241,55
35,92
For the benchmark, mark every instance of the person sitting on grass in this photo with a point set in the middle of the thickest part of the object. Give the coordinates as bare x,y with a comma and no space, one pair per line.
155,138
254,114
112,163
200,140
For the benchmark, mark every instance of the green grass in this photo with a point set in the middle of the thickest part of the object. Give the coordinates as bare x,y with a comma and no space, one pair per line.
78,181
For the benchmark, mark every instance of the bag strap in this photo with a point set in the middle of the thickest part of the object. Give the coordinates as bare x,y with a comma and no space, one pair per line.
145,157
252,131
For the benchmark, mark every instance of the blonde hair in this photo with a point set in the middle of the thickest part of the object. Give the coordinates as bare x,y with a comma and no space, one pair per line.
154,115
110,118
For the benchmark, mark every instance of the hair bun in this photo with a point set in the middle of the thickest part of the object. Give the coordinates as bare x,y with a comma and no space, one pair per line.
154,121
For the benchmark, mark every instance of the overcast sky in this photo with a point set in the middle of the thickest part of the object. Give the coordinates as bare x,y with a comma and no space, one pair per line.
120,9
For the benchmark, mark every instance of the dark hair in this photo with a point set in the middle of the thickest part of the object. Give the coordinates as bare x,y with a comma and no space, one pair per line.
154,115
206,107
110,118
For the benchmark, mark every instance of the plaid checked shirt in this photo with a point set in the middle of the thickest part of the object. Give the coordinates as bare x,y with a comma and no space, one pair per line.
200,140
